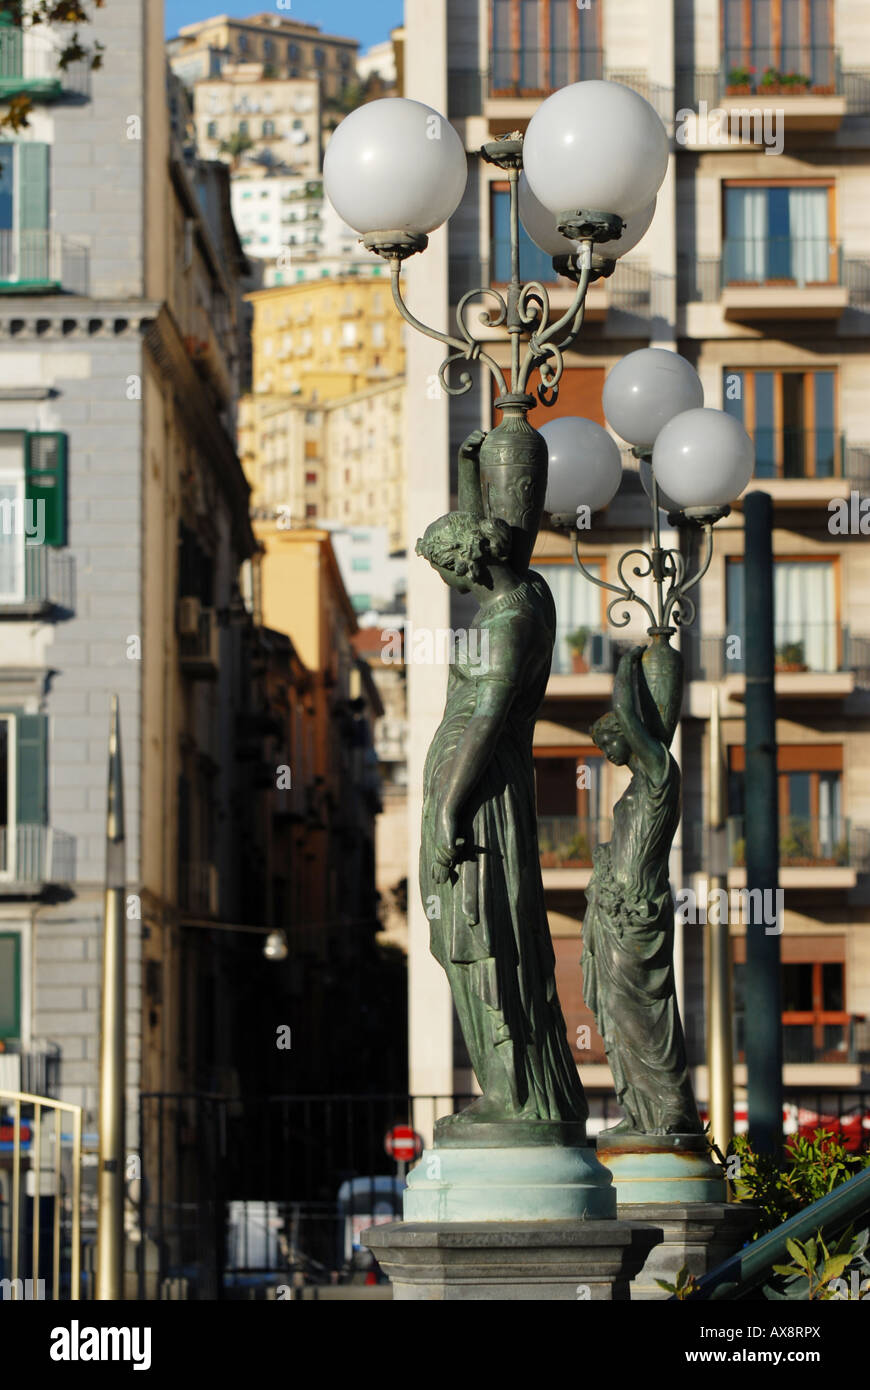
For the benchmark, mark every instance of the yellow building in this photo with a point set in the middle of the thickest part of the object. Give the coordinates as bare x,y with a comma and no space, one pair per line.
340,460
323,339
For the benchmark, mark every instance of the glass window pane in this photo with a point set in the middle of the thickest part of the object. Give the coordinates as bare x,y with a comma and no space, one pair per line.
531,57
501,244
10,949
794,464
765,434
798,795
733,17
825,438
6,185
734,604
797,988
832,987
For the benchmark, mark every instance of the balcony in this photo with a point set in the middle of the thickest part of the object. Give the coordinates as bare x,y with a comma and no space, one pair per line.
782,278
42,262
827,1038
822,852
584,663
44,584
566,844
198,641
34,858
814,661
804,468
760,294
35,1072
29,67
518,79
807,84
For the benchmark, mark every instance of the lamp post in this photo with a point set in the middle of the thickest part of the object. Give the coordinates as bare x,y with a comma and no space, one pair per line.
395,170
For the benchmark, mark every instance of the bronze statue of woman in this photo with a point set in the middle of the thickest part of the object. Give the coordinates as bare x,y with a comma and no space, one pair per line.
628,929
480,875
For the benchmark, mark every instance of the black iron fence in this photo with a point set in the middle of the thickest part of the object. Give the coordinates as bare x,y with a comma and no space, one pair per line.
258,1197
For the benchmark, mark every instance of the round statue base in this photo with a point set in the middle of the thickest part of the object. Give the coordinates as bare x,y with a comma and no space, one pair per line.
662,1168
532,1182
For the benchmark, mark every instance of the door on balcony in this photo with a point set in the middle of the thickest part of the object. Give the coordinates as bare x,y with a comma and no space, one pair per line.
806,626
10,986
792,418
23,802
779,233
790,39
24,240
816,1025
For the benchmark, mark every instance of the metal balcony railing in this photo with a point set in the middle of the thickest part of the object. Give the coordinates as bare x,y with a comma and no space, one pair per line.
584,651
567,842
822,647
789,260
811,842
33,856
531,72
798,453
781,70
701,279
29,65
45,579
31,261
34,1071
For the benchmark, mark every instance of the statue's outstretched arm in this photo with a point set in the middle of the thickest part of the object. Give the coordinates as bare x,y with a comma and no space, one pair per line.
469,496
494,699
650,751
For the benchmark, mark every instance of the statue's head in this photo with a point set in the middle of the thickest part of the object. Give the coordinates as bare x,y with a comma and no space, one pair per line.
462,548
608,735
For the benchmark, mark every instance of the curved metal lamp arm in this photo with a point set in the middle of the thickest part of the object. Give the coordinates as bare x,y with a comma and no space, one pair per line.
466,348
625,593
542,343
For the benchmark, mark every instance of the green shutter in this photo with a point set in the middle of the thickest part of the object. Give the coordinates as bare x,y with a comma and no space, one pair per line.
32,186
30,773
45,482
10,985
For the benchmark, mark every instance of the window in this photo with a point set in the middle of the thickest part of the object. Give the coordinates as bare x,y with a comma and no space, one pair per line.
292,52
806,629
32,507
535,264
310,478
540,45
10,985
23,802
25,250
780,38
319,58
812,830
361,564
379,335
779,232
298,124
310,509
268,48
813,982
243,43
268,129
211,130
348,335
792,418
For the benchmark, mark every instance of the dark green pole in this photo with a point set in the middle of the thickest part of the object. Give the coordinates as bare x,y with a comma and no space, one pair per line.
763,992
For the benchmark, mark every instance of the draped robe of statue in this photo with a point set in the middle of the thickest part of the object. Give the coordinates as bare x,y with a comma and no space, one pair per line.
489,926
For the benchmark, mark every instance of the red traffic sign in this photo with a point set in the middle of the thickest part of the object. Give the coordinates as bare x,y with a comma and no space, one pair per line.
403,1143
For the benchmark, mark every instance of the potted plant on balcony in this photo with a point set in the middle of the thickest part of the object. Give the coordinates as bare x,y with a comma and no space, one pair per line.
771,82
792,83
741,81
576,854
790,657
577,641
547,851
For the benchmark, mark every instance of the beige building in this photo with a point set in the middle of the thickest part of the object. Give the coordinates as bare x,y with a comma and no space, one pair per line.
286,47
756,268
256,122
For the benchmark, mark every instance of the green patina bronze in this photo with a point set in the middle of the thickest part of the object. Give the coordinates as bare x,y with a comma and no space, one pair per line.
628,930
480,875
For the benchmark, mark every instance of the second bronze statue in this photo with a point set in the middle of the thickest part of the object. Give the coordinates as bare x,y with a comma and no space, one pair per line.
628,930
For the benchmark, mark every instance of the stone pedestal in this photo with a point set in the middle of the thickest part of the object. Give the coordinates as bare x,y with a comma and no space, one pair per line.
515,1261
662,1168
700,1235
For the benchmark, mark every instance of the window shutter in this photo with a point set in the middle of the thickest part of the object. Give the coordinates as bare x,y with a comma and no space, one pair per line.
32,807
32,186
45,482
10,985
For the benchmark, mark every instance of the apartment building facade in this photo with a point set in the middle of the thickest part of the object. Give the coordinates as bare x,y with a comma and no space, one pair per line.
257,123
756,269
286,47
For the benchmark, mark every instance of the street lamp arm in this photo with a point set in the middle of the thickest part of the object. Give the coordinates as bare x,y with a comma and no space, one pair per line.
543,341
625,593
466,348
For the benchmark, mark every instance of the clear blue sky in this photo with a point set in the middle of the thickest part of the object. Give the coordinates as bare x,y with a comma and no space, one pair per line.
370,21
